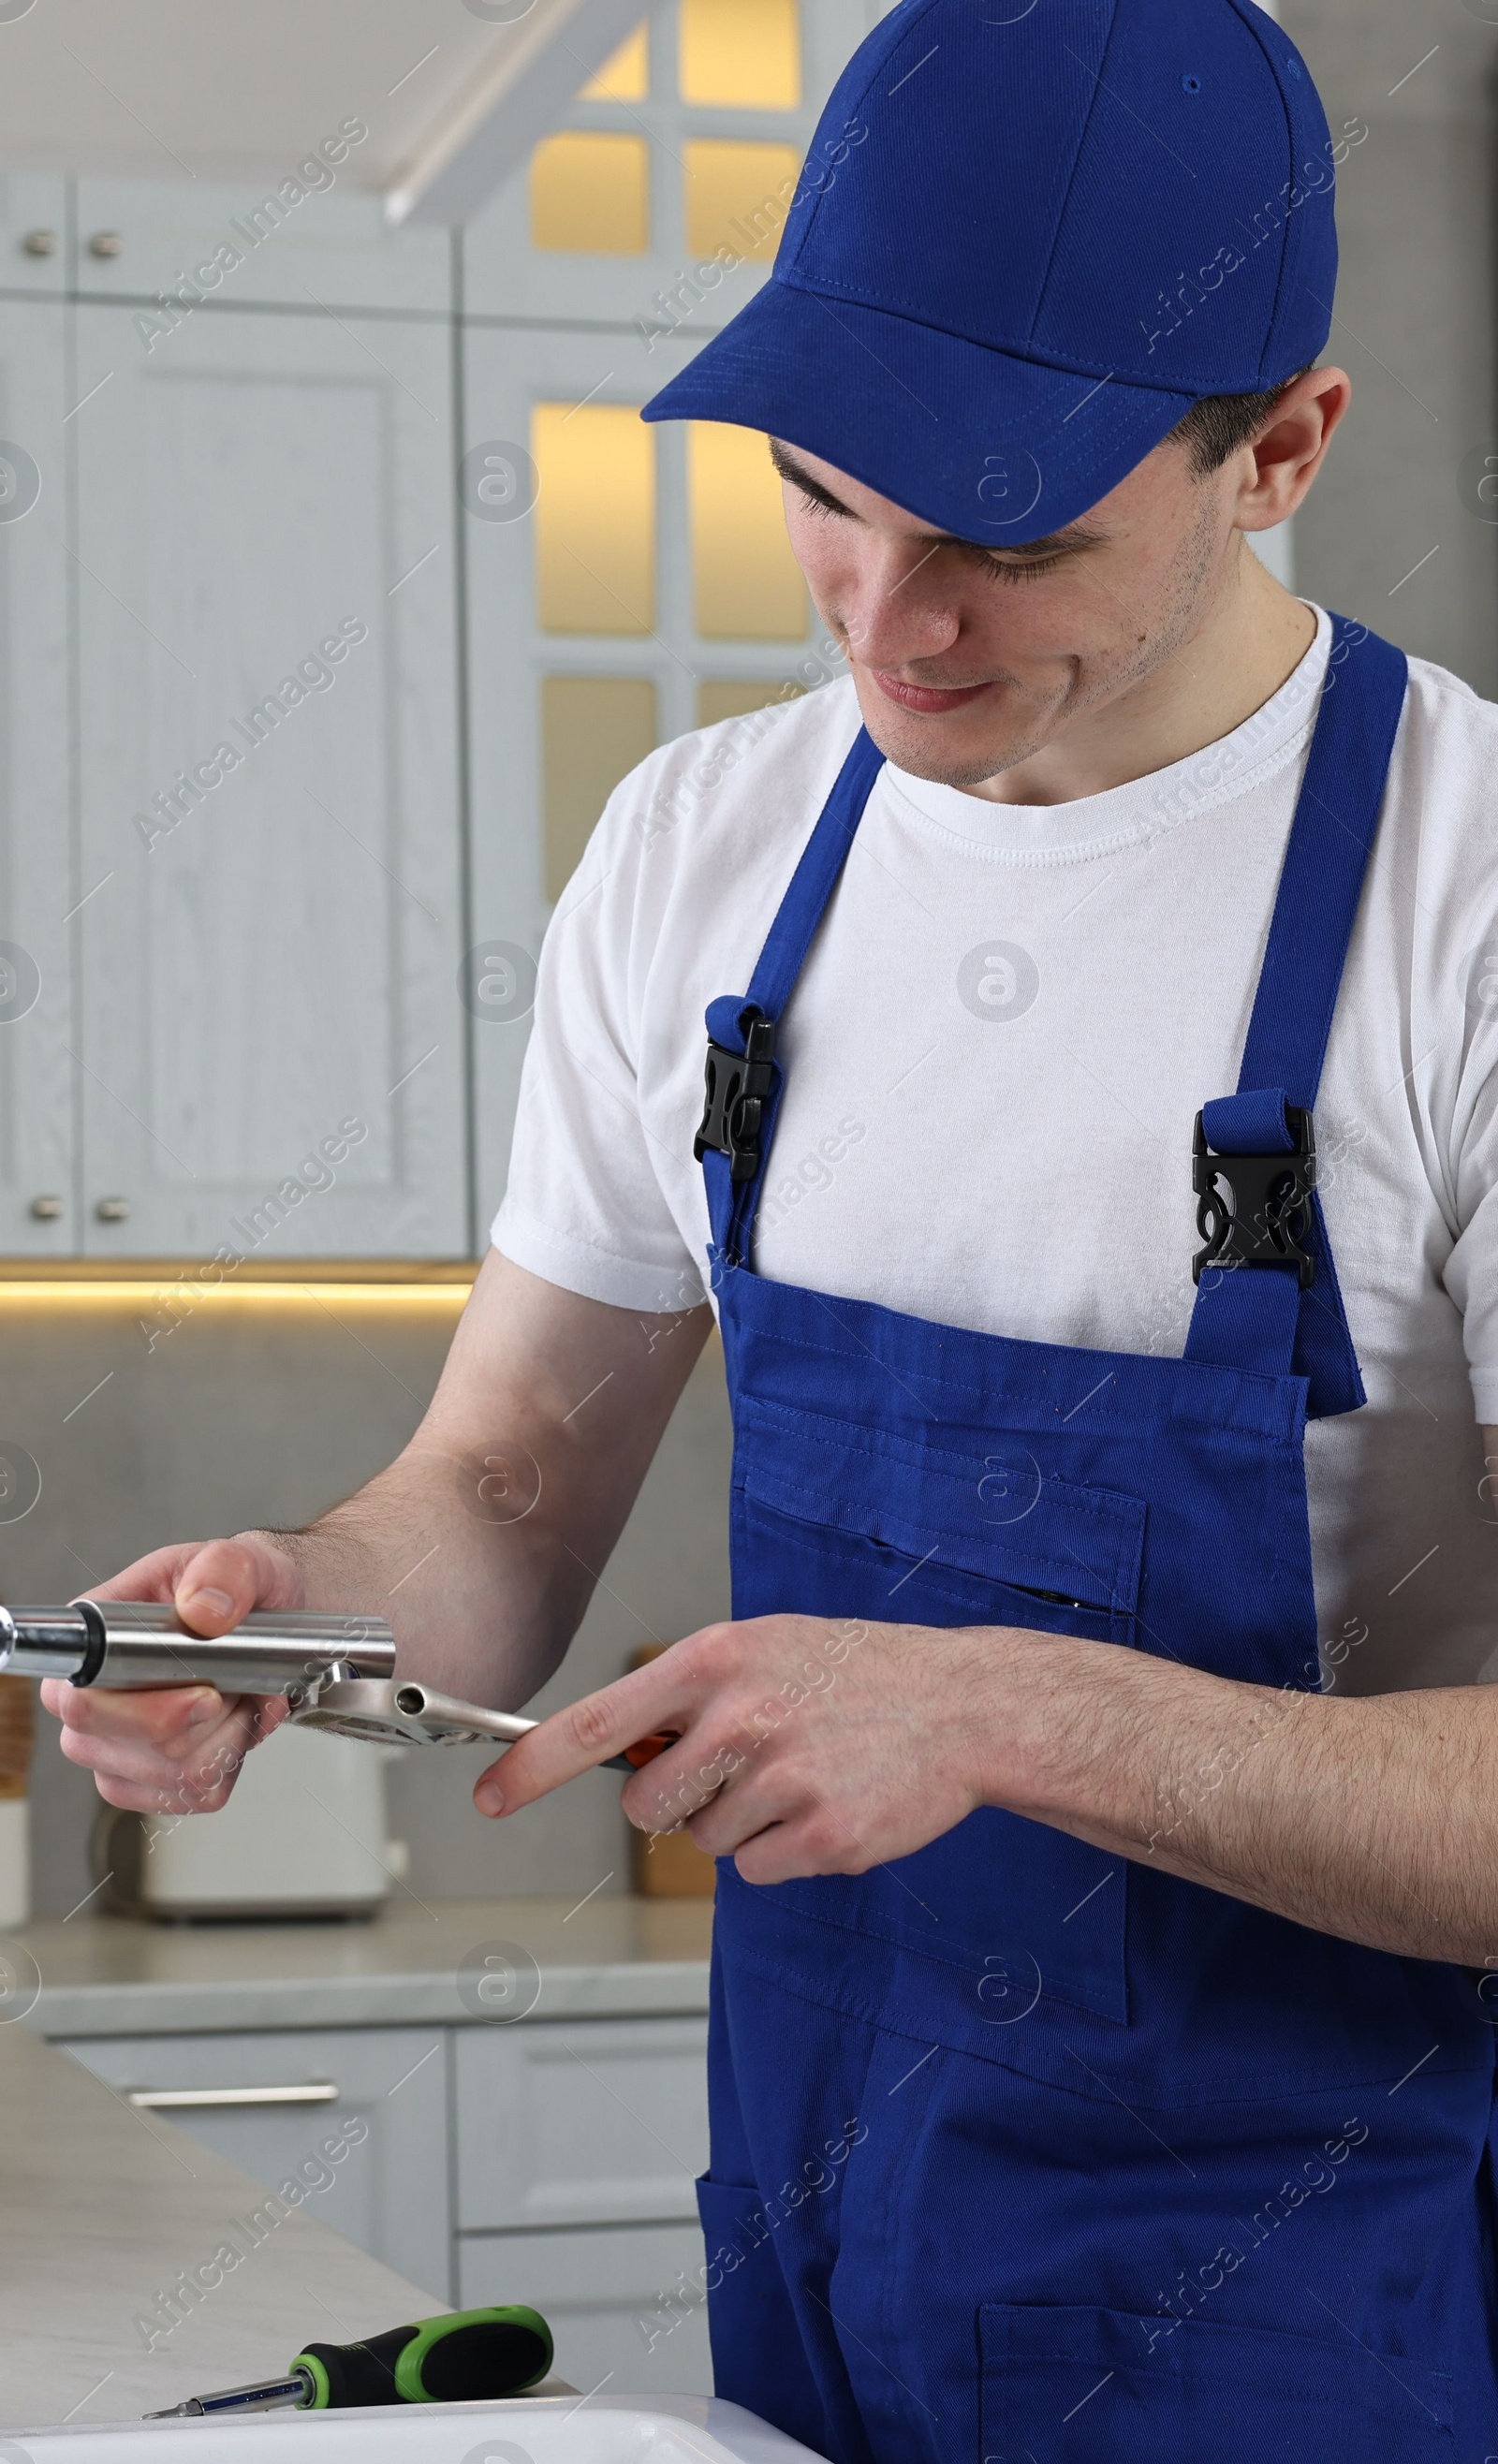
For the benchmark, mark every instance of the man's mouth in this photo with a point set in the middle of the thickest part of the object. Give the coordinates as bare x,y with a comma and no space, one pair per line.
929,698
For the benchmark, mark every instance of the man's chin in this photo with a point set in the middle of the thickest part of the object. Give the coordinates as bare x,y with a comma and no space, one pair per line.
955,749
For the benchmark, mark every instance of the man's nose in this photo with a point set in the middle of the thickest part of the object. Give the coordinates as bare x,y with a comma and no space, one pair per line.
898,608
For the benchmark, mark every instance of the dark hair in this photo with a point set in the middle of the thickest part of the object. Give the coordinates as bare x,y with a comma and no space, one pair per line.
1216,426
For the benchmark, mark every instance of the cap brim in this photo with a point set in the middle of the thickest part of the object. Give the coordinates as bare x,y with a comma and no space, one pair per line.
981,443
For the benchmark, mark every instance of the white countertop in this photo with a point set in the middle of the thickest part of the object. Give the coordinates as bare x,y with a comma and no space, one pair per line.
606,1957
100,2206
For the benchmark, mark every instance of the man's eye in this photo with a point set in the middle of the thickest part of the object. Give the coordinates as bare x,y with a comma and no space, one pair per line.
1022,572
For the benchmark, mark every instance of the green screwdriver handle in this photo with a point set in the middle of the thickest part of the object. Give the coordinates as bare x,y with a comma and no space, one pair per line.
461,2358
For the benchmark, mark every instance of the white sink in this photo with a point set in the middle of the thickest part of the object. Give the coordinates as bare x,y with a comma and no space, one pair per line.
554,2430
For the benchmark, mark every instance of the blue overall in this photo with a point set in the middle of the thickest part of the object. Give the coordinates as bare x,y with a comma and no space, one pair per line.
1022,2150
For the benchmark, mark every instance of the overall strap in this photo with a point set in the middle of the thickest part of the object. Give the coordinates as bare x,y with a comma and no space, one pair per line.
744,1079
1286,1317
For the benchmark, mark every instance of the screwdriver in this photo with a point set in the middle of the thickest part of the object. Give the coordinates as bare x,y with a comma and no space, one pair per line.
464,2357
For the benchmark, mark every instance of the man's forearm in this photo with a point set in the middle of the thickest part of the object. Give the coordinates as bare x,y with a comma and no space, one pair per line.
482,1542
1373,1818
482,1611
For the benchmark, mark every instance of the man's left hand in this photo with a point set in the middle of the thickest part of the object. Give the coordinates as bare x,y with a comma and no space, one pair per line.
804,1744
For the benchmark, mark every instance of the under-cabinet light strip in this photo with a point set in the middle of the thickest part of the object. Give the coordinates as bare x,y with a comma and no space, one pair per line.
55,1291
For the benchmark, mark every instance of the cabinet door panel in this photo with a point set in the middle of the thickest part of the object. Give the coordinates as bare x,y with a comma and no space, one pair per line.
331,248
36,871
626,2306
269,790
385,2191
581,2124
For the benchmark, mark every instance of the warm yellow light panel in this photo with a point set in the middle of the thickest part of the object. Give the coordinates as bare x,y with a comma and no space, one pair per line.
747,585
738,196
625,75
590,194
745,51
595,518
735,696
595,730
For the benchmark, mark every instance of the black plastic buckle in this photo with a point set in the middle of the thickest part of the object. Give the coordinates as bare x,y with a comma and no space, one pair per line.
737,1084
1255,1210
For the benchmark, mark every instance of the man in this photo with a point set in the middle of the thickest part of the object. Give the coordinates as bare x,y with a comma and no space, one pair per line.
1102,2052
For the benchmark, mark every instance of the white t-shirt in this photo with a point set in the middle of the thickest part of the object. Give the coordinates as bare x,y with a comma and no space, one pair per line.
994,1055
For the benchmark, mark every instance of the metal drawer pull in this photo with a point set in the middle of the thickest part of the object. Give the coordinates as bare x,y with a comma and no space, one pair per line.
186,2099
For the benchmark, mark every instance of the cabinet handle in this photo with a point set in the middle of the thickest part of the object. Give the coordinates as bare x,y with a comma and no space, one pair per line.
105,244
113,1210
183,2100
40,242
46,1209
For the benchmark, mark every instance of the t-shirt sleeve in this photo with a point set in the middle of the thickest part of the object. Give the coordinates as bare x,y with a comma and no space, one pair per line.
1451,892
1471,1271
584,1205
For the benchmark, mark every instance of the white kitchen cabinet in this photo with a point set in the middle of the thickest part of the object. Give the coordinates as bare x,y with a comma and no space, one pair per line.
626,2305
551,2162
590,2123
271,934
387,2190
38,889
331,248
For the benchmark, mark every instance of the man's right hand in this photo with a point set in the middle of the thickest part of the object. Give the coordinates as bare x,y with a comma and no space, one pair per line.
178,1748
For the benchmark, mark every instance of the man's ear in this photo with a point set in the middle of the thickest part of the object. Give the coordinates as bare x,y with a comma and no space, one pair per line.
1288,451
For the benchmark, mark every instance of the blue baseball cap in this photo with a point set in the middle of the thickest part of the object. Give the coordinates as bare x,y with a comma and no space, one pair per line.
1028,235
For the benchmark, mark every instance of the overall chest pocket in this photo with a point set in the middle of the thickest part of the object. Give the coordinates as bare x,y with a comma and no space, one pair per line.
832,1519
